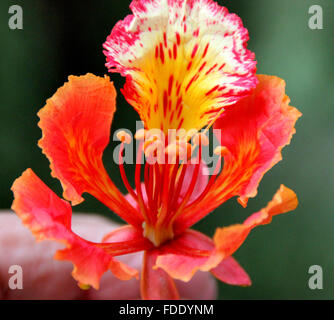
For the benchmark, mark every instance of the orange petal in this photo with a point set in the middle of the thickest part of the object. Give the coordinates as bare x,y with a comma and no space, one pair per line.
126,239
184,256
156,284
253,133
230,272
229,239
49,218
76,126
183,61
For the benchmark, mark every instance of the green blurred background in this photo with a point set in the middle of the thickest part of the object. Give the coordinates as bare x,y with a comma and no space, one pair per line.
65,37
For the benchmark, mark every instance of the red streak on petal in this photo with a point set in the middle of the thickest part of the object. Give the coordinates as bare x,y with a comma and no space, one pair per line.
212,90
194,51
178,89
171,116
165,39
194,78
211,69
179,102
222,66
162,55
180,124
180,111
175,51
156,52
178,38
165,102
170,84
205,51
202,66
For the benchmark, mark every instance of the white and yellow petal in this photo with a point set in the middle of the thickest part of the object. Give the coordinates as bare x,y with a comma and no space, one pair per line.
184,61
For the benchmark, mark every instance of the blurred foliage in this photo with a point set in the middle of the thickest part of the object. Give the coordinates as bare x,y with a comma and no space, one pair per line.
62,38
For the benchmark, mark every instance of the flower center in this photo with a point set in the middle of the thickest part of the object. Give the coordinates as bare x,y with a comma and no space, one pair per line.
170,177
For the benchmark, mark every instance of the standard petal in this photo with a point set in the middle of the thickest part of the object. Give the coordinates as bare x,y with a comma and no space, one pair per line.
183,61
76,126
230,272
253,132
229,239
155,283
49,218
187,254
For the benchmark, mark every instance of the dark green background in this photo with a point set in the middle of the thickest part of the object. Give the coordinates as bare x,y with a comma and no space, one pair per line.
65,37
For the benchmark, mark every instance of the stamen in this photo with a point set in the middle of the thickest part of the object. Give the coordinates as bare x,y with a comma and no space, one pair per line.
200,138
138,183
221,151
207,187
124,137
141,134
154,151
191,186
123,174
178,149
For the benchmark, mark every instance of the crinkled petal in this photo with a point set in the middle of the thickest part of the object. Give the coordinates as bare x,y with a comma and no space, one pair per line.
156,284
229,239
183,61
76,126
230,272
254,131
49,218
187,254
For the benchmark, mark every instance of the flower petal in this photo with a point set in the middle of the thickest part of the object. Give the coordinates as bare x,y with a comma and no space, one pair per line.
183,61
156,284
76,126
49,217
254,132
133,238
229,239
230,272
185,255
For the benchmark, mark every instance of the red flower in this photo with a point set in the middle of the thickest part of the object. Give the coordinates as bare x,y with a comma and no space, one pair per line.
174,195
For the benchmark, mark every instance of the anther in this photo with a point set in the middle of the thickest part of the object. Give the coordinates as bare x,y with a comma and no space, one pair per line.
123,137
221,151
154,150
141,134
201,138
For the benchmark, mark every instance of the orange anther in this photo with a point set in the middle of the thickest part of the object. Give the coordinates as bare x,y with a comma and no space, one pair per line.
201,138
124,137
221,151
140,134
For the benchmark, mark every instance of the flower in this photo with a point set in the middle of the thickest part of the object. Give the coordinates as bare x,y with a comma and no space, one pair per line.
251,111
